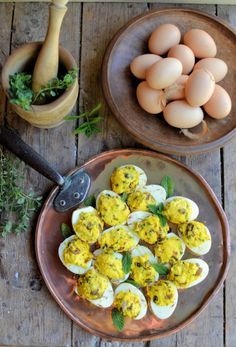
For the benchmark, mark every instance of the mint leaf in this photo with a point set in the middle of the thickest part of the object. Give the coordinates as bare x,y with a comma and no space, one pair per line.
161,269
163,220
66,230
126,262
153,209
118,319
168,184
124,197
90,201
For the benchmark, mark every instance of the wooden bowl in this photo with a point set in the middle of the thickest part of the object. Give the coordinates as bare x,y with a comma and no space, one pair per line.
119,85
41,116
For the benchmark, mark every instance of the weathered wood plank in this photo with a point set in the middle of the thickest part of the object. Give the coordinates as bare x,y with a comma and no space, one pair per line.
100,23
31,317
228,13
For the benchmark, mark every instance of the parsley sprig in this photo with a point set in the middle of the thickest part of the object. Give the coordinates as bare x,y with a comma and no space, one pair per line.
16,205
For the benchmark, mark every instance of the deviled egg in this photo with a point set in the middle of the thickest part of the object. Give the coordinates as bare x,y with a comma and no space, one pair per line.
118,238
147,226
152,194
187,273
163,296
75,255
96,288
142,270
196,236
109,264
112,209
130,301
127,178
170,249
179,209
87,224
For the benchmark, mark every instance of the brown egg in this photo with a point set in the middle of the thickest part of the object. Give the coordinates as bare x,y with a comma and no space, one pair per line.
219,105
216,66
199,87
141,63
151,100
163,38
177,90
185,55
201,43
164,73
180,114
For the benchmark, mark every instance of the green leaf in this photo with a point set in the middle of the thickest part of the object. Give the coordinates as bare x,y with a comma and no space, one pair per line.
153,209
95,109
160,207
118,319
66,230
126,262
90,201
124,197
163,220
132,282
168,184
160,268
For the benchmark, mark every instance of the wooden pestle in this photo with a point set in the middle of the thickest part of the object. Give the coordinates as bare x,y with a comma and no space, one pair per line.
46,66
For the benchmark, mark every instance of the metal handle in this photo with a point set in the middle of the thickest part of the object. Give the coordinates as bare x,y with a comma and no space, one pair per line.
10,140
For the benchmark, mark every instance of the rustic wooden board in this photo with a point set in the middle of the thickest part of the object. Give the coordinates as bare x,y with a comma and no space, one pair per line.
223,2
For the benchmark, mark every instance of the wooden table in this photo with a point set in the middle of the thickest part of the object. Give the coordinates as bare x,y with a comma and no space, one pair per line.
28,315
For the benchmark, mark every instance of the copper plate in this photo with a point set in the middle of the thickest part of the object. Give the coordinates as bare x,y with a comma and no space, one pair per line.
98,321
119,85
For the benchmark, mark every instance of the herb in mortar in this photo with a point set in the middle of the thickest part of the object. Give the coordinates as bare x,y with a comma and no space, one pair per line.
16,206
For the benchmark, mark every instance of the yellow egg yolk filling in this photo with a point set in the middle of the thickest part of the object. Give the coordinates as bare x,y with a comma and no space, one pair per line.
92,285
124,179
178,211
182,273
161,293
169,250
128,303
150,229
112,209
108,265
119,240
89,226
194,233
142,270
77,253
139,201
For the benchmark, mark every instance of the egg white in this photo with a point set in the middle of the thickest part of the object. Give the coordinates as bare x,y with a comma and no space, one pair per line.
142,176
73,268
117,256
202,248
164,312
205,270
142,250
127,287
195,209
106,300
157,191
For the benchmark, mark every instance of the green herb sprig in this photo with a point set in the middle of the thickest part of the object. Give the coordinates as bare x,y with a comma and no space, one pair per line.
118,319
16,205
160,268
90,201
168,184
132,282
126,262
91,119
158,211
66,230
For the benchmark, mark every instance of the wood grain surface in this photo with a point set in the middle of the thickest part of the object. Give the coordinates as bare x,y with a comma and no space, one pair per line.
28,314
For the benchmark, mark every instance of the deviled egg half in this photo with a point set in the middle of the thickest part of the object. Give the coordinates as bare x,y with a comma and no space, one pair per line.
142,270
196,236
109,264
118,238
130,301
163,298
147,226
170,249
187,273
127,178
75,255
111,208
179,209
96,288
87,224
152,194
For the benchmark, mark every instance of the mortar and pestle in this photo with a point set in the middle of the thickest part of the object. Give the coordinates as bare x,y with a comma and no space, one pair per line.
43,60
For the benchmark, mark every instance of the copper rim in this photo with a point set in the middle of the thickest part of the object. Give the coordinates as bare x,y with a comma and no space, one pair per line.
226,245
140,137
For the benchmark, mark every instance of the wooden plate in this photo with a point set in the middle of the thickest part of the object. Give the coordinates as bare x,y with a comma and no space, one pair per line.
60,281
119,85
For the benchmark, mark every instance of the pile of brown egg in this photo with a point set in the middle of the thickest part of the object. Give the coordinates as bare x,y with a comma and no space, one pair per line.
174,83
